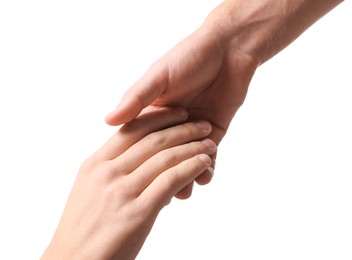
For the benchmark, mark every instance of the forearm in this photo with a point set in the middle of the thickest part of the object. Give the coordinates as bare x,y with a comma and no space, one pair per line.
262,28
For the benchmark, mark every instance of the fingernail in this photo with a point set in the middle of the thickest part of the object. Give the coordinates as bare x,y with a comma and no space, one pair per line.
203,125
180,111
209,143
205,158
211,170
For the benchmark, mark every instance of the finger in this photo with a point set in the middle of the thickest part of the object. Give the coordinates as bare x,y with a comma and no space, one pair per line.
186,192
140,95
144,175
132,132
202,179
159,141
207,175
173,180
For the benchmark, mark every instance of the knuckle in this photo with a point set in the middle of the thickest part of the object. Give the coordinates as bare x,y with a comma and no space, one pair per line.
103,173
125,189
156,139
170,180
89,164
167,157
99,175
190,129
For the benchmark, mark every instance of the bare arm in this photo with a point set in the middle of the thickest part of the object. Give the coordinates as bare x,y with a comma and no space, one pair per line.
262,28
209,72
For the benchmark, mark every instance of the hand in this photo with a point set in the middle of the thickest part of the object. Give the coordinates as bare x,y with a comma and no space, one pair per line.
207,76
209,72
120,190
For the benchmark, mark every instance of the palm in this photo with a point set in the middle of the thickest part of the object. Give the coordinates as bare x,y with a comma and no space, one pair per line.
205,78
212,89
199,74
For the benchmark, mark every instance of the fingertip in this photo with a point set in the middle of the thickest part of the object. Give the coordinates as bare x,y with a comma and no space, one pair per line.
205,158
123,113
205,177
210,144
110,118
185,193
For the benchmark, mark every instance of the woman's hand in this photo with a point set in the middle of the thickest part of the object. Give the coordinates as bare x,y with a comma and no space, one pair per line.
120,190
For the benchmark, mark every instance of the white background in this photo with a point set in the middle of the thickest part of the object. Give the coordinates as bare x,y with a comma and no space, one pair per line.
283,184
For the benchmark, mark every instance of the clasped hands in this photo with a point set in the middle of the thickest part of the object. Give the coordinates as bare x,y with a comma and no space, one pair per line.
172,120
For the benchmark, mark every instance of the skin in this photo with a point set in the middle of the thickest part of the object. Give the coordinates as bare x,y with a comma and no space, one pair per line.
121,188
209,72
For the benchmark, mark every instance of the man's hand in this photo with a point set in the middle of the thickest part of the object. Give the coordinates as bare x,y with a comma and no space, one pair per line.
201,74
209,72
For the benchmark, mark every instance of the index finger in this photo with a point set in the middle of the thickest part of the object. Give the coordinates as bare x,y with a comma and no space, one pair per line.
132,132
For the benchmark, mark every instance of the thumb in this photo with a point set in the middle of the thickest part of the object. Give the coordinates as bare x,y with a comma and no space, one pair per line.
146,90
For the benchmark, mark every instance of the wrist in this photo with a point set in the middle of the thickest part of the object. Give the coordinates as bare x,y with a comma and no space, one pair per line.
262,28
243,26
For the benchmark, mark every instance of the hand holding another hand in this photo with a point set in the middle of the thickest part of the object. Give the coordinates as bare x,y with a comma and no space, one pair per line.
120,189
